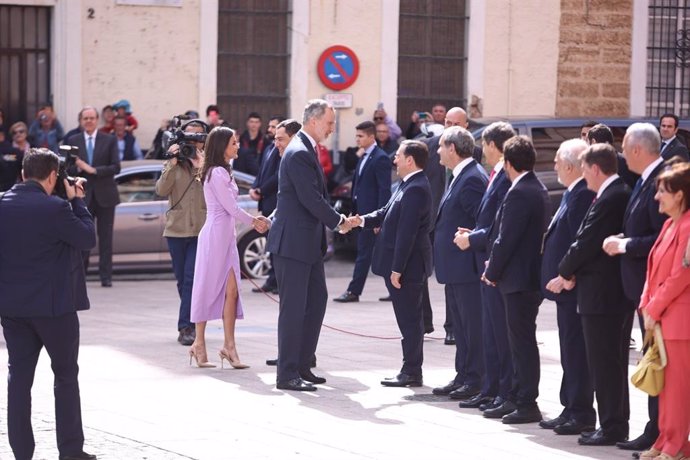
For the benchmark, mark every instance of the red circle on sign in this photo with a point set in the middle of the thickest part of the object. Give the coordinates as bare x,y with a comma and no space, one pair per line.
338,67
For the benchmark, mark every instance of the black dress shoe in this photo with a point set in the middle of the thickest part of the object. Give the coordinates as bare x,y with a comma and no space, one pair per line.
573,427
642,442
106,283
347,296
403,380
464,392
385,299
446,390
522,415
600,439
429,330
475,401
553,423
295,385
498,400
80,456
186,336
450,339
265,288
272,362
309,376
499,412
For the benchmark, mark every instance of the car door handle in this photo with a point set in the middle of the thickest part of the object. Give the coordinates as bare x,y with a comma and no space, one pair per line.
148,216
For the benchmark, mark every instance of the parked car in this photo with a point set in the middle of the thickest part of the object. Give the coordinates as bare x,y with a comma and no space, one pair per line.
138,242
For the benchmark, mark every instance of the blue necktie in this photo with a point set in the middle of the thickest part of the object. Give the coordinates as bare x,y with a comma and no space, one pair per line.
89,149
638,186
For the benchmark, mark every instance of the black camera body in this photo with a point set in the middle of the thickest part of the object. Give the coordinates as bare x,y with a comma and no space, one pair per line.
186,141
67,159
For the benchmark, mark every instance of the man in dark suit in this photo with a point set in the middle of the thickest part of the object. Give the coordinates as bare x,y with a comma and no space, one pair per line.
600,133
605,311
297,241
265,191
498,364
98,161
42,285
642,223
514,266
402,254
371,190
671,145
457,269
576,393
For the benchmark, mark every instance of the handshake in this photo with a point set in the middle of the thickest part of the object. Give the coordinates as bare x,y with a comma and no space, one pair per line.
261,224
348,223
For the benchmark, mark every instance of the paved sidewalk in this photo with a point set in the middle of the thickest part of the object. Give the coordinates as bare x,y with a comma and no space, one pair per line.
142,400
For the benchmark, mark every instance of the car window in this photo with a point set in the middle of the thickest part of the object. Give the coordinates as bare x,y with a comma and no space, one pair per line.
546,142
138,187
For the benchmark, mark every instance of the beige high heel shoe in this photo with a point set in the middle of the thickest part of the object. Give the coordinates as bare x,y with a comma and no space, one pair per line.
199,362
224,355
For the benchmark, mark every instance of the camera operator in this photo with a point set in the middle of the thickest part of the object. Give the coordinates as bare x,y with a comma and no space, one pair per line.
180,182
43,287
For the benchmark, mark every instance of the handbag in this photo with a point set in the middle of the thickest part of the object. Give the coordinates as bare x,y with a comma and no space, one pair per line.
649,374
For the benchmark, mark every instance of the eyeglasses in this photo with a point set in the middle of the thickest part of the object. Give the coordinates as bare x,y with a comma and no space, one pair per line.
378,118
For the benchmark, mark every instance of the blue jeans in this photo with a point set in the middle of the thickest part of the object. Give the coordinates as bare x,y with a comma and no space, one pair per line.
183,254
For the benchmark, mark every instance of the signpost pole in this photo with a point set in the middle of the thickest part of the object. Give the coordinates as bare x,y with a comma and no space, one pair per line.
336,151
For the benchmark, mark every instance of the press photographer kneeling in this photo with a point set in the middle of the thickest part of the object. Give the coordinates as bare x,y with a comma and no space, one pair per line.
43,286
180,182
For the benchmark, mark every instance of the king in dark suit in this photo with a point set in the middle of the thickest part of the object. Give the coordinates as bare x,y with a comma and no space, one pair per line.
605,311
671,146
402,254
514,266
42,284
576,393
98,160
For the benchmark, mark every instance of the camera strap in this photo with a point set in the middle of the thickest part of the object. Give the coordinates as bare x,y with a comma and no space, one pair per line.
183,194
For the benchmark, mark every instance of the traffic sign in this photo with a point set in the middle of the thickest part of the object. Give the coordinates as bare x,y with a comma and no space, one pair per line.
338,67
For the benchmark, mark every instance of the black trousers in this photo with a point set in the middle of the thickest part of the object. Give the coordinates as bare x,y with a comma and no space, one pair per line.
577,395
365,248
303,298
607,340
104,217
407,305
521,319
498,362
427,312
25,337
466,308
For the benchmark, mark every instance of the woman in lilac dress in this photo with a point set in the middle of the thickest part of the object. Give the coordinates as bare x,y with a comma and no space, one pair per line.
215,293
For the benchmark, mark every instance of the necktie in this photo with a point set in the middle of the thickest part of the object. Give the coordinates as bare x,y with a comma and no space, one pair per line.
636,189
663,146
361,165
89,149
560,210
491,176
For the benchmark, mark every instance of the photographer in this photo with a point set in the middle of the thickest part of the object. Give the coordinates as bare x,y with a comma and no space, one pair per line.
185,217
42,284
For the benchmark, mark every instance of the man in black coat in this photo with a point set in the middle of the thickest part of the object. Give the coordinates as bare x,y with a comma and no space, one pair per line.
43,287
605,311
671,146
514,266
642,223
576,393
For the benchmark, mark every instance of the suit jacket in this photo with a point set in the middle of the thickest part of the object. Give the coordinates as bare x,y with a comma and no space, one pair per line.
41,239
101,186
666,295
486,215
600,288
517,236
298,230
642,223
371,188
676,147
267,181
404,245
561,234
458,208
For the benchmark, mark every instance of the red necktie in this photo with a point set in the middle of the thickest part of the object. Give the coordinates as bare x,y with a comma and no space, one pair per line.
491,176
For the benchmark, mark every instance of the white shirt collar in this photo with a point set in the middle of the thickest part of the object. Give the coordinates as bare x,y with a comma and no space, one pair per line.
370,149
92,136
606,183
575,182
311,139
666,142
648,170
498,166
459,168
407,177
517,179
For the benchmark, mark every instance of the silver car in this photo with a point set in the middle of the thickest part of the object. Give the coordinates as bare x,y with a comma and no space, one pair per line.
138,241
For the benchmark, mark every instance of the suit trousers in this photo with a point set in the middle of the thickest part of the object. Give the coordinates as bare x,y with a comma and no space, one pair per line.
407,306
427,312
607,341
521,319
465,299
25,337
651,429
183,255
577,395
365,248
498,363
674,410
303,297
104,218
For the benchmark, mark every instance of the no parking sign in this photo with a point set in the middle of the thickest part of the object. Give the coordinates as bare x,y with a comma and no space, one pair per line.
338,67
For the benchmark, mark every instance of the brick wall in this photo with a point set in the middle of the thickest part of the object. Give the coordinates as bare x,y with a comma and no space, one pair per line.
594,58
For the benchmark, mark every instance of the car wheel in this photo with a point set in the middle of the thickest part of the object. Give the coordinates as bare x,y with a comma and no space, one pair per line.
254,260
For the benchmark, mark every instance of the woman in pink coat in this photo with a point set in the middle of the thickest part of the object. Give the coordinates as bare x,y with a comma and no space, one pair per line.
215,292
666,300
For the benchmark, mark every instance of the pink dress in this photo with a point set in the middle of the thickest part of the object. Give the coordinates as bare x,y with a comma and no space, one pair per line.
216,252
